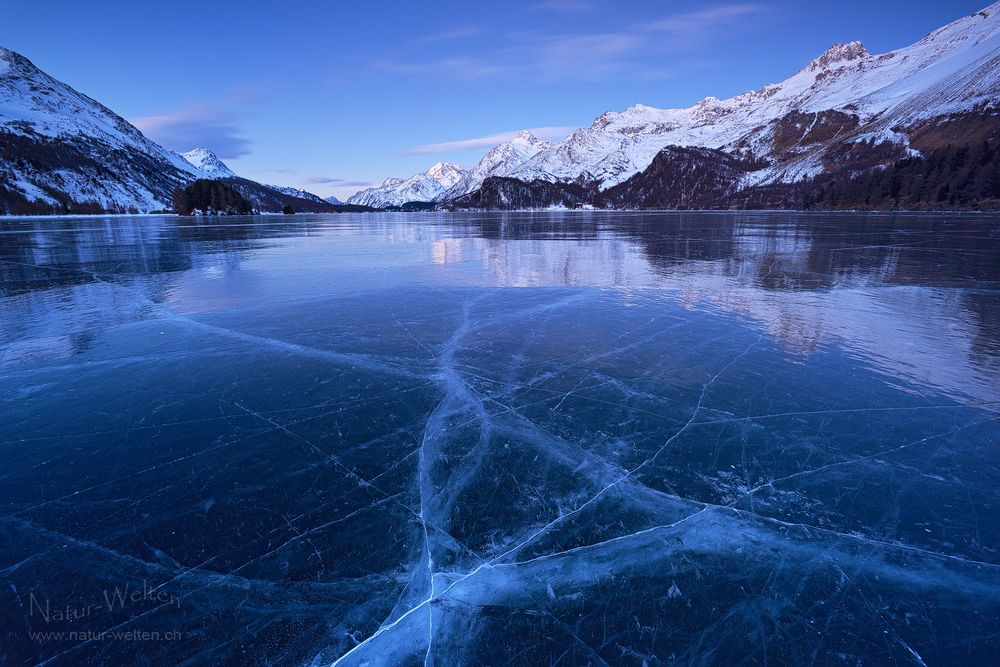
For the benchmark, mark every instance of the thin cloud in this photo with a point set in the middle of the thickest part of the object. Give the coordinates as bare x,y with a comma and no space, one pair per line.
197,126
461,68
566,6
704,20
592,56
448,35
336,182
627,51
486,142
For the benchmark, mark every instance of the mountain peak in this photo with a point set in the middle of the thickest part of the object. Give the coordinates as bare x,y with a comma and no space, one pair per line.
208,162
445,173
525,136
7,55
14,59
840,52
441,168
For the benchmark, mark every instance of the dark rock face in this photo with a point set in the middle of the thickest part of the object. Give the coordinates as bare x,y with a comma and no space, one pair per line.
796,132
680,178
852,157
963,129
499,192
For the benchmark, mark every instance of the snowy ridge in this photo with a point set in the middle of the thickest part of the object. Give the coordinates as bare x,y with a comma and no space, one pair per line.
953,69
298,192
423,187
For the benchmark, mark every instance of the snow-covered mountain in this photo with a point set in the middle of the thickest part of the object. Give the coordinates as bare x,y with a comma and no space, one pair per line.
208,163
62,152
61,149
423,187
845,106
333,200
502,160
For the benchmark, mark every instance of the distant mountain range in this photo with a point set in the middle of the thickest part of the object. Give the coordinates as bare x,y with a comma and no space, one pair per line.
845,112
423,187
915,127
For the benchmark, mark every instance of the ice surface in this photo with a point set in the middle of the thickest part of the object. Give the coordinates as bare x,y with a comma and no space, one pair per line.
510,439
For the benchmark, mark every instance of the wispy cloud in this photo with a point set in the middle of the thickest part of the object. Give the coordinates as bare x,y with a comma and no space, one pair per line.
333,182
564,5
702,22
199,125
487,141
583,56
460,68
448,35
636,50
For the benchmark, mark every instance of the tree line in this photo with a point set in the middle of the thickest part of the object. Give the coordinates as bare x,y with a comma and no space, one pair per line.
210,198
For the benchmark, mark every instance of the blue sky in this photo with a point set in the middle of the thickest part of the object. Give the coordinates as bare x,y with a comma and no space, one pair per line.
332,96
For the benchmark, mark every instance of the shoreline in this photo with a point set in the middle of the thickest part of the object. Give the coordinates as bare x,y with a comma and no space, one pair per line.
92,216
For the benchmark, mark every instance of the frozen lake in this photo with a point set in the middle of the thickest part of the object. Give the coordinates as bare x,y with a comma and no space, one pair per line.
504,439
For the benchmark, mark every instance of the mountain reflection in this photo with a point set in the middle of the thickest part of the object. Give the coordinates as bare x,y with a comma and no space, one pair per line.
915,296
